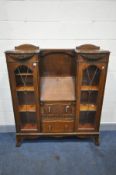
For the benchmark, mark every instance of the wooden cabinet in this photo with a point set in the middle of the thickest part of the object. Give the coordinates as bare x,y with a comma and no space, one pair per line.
57,91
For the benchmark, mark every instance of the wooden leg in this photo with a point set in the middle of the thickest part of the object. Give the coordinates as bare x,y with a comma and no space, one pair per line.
18,141
96,140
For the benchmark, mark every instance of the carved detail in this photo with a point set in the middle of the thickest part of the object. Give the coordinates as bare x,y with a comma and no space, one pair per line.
88,47
26,47
57,52
92,56
21,56
24,52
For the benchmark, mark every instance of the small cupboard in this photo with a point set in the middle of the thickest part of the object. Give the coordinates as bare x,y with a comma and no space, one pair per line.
57,91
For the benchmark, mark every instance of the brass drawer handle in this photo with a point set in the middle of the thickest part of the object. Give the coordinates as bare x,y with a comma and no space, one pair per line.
49,109
49,127
66,109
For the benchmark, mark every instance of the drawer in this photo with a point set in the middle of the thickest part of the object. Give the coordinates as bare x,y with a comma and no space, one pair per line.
57,126
58,109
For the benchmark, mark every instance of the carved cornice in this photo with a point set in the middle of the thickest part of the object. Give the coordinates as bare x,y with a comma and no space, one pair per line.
43,54
21,56
93,57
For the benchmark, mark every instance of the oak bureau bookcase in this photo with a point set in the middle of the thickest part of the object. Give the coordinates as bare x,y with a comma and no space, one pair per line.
57,92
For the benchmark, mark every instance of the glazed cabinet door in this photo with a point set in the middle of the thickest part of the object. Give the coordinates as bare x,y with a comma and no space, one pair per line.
90,91
24,83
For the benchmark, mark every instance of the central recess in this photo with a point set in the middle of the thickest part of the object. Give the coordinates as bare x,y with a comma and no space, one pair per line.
57,76
57,90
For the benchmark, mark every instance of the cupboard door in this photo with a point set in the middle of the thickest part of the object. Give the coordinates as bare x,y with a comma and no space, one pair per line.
24,86
90,95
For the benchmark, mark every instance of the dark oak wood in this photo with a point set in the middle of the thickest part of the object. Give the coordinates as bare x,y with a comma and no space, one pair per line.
57,62
57,92
26,47
88,47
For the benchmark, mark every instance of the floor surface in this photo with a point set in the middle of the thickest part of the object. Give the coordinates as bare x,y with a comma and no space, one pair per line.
69,156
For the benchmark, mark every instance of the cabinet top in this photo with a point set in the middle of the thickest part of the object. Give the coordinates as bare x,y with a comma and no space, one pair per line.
24,48
91,51
29,48
90,48
23,51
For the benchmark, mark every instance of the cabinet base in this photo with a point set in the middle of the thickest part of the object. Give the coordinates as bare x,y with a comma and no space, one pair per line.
24,136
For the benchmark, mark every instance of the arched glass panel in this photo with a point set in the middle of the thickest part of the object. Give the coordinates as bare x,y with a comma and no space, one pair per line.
91,76
23,75
89,97
26,98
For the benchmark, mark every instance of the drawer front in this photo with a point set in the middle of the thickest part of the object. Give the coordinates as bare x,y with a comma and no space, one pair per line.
57,127
58,109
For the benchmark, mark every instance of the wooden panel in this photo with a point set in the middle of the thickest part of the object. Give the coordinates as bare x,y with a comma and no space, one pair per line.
57,89
11,58
57,126
57,62
58,110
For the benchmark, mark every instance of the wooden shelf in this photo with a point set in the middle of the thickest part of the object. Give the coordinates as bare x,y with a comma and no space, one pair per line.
27,108
86,126
24,74
89,88
28,127
25,88
87,107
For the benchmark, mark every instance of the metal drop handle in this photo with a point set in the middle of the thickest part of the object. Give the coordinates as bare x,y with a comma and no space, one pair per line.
49,109
66,109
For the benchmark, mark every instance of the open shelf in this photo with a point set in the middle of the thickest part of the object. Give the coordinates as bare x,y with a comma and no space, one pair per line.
25,88
86,126
24,74
27,108
87,120
28,127
87,107
89,88
57,89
